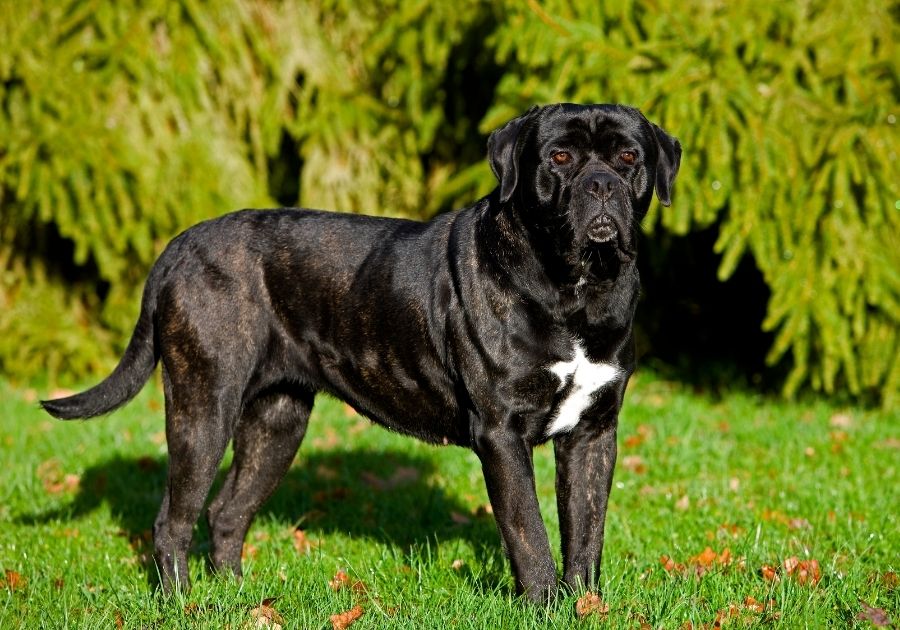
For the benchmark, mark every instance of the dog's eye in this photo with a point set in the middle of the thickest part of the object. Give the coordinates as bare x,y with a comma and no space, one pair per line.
561,157
628,157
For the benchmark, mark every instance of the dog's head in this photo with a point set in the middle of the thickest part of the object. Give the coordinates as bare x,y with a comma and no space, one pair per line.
581,177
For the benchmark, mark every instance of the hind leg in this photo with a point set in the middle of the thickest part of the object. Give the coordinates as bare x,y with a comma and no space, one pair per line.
198,428
266,440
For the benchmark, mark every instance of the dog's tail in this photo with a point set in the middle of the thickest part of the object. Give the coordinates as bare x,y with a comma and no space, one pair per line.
133,370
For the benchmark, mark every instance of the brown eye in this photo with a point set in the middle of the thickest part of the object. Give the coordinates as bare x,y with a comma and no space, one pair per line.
561,157
628,157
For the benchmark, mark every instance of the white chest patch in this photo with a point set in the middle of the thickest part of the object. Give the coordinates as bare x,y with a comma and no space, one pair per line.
587,378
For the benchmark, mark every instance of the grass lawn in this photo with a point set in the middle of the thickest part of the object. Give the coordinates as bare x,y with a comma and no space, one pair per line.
740,510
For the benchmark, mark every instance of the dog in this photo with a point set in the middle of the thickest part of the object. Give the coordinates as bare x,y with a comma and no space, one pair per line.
497,327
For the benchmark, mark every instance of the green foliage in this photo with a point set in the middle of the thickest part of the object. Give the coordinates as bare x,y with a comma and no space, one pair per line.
122,123
789,122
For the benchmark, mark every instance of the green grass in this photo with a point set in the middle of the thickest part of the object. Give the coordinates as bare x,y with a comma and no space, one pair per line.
765,479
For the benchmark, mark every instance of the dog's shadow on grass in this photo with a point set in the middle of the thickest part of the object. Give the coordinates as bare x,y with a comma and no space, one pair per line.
385,496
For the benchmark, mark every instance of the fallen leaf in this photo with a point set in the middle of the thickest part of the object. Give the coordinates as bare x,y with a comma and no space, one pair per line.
339,581
804,571
876,616
769,573
54,481
890,580
326,472
13,581
591,604
784,519
841,420
457,564
752,605
670,565
683,503
266,616
120,621
345,619
634,463
633,441
302,543
705,558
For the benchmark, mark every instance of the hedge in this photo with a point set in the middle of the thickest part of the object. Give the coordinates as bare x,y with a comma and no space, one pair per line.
123,123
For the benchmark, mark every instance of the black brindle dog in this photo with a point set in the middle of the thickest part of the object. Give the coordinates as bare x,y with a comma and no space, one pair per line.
497,327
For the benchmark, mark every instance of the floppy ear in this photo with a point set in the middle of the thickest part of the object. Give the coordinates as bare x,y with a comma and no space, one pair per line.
666,164
504,157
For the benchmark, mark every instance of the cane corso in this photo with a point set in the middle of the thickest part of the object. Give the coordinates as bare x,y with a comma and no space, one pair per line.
497,327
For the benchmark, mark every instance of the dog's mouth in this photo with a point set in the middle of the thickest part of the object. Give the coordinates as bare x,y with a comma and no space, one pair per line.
602,229
605,235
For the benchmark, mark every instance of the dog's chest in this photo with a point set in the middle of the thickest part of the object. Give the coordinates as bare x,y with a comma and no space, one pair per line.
580,380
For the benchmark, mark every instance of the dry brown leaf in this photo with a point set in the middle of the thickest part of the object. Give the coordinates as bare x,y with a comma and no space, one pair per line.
339,581
54,481
683,503
890,580
876,616
753,605
302,543
13,581
326,472
635,464
591,604
670,565
705,558
345,619
769,573
841,420
266,616
804,571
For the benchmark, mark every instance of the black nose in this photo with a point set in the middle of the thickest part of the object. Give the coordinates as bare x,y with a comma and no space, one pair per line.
600,185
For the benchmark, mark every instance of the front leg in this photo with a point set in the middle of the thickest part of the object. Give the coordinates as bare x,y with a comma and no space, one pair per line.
585,461
509,475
